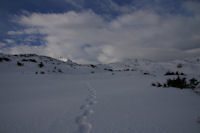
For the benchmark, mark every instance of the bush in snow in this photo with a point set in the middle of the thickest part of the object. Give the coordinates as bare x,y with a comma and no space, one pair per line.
126,69
60,71
179,65
146,73
29,60
41,65
4,59
19,63
108,69
92,71
193,83
179,83
174,73
42,72
153,84
93,66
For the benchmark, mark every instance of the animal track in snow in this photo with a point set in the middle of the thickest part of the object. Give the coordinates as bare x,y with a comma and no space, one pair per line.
84,125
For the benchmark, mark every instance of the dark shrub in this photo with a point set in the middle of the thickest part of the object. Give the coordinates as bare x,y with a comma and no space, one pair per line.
169,73
93,66
177,73
146,73
108,69
178,83
92,71
174,73
179,65
42,72
60,71
159,85
32,60
193,83
23,60
19,63
153,84
41,65
164,85
4,59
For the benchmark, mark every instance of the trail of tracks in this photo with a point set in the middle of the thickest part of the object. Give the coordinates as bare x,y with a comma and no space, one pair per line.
83,120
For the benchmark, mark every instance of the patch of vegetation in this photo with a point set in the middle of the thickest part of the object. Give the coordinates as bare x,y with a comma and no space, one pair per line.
42,72
41,65
156,84
27,55
92,72
93,66
174,73
193,83
4,59
29,60
60,71
146,73
20,64
179,65
108,69
179,83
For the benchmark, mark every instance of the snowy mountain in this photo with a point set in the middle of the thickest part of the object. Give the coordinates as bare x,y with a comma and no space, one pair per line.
35,64
39,94
30,63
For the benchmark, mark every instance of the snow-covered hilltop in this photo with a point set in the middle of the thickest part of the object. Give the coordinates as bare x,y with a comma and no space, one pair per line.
32,63
35,64
188,66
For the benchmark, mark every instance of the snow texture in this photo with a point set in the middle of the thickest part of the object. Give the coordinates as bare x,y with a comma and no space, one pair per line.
78,101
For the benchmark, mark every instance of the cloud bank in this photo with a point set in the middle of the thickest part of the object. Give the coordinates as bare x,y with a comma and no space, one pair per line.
86,37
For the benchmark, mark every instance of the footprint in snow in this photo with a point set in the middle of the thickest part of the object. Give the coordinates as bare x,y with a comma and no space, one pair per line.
84,126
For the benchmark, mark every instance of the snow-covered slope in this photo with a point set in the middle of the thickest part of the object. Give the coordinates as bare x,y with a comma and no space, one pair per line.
30,63
35,64
187,66
111,98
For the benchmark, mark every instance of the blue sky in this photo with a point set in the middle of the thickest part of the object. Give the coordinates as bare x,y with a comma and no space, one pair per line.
101,31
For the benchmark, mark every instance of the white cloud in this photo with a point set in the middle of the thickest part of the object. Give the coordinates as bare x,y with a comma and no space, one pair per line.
9,41
193,6
86,37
